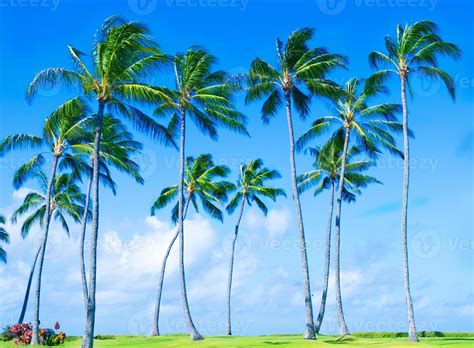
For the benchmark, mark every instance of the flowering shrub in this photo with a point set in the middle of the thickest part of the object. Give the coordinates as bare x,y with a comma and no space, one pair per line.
20,334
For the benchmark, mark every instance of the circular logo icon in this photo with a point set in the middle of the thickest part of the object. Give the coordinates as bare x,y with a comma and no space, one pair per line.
331,7
243,245
49,91
426,244
148,162
140,323
425,86
142,7
57,240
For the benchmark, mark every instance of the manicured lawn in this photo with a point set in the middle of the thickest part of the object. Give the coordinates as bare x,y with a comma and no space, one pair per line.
267,341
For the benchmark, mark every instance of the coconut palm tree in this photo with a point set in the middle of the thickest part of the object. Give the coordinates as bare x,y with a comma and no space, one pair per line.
204,96
414,52
298,67
61,129
66,200
201,182
252,188
116,151
325,176
123,57
371,125
5,238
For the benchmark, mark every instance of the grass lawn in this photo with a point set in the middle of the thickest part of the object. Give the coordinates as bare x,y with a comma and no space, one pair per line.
267,341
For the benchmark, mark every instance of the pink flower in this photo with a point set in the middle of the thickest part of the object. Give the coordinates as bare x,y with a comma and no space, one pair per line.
57,326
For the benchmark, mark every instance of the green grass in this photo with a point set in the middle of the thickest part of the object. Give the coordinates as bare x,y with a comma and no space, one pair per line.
266,341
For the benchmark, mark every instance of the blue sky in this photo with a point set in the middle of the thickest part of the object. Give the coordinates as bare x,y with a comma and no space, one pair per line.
268,288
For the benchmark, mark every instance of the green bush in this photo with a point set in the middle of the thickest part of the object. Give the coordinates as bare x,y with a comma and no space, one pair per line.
104,337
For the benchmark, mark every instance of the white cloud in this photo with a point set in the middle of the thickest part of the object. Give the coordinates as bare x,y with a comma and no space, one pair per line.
276,223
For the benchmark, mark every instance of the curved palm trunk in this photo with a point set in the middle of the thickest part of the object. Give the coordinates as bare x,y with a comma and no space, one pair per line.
231,267
28,288
310,332
88,338
195,335
155,330
324,295
36,321
340,313
83,237
412,335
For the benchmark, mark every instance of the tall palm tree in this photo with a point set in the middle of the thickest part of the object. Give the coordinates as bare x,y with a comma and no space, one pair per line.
414,52
204,96
297,67
5,238
327,164
123,57
117,148
251,184
201,182
66,200
61,129
371,125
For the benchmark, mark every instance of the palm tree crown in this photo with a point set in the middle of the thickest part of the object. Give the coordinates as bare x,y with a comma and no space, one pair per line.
298,67
327,164
371,124
251,185
123,55
202,94
201,182
415,50
66,200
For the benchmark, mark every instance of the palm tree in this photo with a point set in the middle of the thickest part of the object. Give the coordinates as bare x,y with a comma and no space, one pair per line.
5,238
117,148
328,159
204,96
66,200
123,56
415,51
251,184
371,125
61,129
200,182
298,66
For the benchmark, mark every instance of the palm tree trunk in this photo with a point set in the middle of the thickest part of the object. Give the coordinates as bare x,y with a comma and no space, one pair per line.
36,321
155,330
231,267
28,288
324,295
340,313
88,338
195,335
83,237
412,336
310,333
